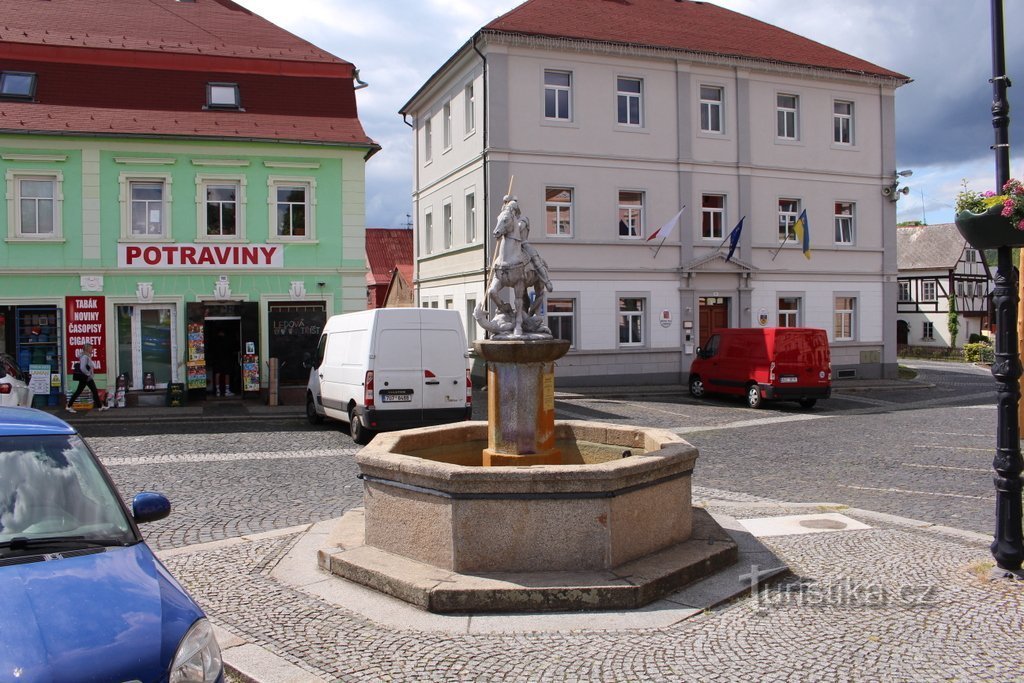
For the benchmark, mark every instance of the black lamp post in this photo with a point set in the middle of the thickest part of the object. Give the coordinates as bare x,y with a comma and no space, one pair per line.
1008,545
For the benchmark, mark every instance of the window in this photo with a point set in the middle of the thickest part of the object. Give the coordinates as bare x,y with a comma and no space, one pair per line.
222,96
904,293
928,331
711,109
789,211
842,122
789,311
428,233
449,303
970,255
470,218
712,216
469,108
979,289
446,224
928,290
147,208
471,320
447,125
960,289
786,116
844,318
844,222
562,320
629,94
428,143
292,207
558,95
631,321
631,214
558,211
220,207
17,85
35,209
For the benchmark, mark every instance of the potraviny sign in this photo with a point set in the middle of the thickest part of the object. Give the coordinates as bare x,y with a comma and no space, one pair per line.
200,255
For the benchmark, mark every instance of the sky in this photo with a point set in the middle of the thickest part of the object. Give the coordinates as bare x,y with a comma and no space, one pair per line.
944,128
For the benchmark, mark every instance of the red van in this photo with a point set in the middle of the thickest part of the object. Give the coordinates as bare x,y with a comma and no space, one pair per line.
775,363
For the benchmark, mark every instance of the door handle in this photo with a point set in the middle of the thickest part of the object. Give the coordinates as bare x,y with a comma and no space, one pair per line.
320,375
432,381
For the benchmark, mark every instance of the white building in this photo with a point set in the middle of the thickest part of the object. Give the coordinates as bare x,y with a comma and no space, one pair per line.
611,117
936,262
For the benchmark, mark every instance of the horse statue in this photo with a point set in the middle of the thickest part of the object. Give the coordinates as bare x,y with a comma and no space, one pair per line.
517,266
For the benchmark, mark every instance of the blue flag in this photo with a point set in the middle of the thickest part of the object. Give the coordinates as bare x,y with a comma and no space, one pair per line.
734,238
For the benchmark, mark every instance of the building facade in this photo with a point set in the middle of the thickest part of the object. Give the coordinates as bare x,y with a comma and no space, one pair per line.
184,190
605,121
935,264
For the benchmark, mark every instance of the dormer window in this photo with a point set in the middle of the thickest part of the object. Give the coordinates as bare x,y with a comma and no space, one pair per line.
17,85
222,96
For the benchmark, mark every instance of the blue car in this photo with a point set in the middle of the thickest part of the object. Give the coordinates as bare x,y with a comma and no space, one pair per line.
83,597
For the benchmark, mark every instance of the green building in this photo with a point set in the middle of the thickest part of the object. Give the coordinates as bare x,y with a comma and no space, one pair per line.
184,190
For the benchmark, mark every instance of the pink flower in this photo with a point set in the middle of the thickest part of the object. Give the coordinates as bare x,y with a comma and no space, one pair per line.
988,193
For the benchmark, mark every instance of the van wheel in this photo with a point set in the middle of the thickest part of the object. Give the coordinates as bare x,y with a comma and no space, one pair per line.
697,387
808,403
360,434
313,417
754,396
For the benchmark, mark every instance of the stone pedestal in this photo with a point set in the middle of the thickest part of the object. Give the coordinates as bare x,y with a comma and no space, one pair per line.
521,401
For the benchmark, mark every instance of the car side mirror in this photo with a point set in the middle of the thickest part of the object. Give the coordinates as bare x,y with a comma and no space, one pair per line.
149,507
700,352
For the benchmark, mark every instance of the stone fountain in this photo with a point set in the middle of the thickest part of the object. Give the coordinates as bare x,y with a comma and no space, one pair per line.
523,513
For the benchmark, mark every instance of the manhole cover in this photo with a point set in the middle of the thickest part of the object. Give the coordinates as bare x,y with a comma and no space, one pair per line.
822,524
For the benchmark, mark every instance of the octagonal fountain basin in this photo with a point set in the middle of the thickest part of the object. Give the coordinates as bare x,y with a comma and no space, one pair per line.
613,527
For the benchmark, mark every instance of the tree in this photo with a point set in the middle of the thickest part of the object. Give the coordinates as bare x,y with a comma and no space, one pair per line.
953,321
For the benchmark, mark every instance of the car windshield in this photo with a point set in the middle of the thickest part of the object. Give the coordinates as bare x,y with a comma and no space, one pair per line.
53,493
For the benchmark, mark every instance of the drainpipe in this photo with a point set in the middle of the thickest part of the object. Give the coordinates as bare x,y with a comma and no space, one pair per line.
485,231
415,204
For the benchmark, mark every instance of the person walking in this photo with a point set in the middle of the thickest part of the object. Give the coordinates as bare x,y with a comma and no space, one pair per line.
85,376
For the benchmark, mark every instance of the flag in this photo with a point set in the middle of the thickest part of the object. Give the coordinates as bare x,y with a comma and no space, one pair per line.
734,238
666,230
803,233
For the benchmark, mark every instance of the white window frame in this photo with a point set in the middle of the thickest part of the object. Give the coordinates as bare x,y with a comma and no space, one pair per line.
428,141
556,90
625,320
14,217
787,118
709,106
469,109
844,320
446,125
903,295
126,182
205,180
428,232
790,317
842,123
929,290
845,222
309,183
470,205
447,226
561,211
970,255
788,218
634,217
629,98
712,218
928,330
562,316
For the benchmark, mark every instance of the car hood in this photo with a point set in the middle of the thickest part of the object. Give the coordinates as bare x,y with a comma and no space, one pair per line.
108,616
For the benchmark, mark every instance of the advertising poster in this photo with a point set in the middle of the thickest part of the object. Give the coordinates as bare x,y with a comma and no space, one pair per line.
86,324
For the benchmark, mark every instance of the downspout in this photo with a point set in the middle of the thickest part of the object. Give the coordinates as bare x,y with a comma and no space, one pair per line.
415,207
484,229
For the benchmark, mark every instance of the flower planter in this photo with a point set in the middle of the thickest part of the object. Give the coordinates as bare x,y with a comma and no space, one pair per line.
988,230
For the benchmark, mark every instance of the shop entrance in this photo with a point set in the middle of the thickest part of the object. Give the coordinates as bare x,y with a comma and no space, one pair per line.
223,337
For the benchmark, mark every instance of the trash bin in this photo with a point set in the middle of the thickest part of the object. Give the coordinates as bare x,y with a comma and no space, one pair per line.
176,394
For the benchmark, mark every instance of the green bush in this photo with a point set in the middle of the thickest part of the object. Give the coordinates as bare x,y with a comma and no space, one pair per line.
978,353
976,338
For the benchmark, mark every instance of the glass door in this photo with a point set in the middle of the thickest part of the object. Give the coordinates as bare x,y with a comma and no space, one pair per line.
146,345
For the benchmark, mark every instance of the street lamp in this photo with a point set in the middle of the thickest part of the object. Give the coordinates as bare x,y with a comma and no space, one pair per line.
893,190
1008,543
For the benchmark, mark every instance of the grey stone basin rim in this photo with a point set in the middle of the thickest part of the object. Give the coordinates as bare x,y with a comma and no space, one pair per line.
564,495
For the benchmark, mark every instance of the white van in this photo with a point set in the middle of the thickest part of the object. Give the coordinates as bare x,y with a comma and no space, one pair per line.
391,368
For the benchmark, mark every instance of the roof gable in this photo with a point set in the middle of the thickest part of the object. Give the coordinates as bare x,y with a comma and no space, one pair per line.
699,27
386,249
929,247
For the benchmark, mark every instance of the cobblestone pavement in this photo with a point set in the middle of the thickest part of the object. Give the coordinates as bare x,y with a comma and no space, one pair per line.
898,601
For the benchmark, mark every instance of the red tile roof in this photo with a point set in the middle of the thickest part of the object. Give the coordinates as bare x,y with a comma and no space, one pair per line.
699,27
387,248
140,67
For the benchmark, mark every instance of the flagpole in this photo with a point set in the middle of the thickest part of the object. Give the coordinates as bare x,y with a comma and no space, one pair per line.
781,245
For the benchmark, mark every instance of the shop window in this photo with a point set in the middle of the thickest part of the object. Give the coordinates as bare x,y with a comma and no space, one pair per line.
294,330
146,344
34,206
292,208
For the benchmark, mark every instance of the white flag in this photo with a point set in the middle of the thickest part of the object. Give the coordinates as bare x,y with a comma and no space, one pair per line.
666,230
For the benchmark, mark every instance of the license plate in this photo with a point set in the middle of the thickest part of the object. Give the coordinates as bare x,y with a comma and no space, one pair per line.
787,379
395,398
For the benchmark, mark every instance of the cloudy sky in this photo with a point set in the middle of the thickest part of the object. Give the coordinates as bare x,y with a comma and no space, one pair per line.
944,121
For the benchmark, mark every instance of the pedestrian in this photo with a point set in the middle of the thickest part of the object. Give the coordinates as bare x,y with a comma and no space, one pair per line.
85,375
222,360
